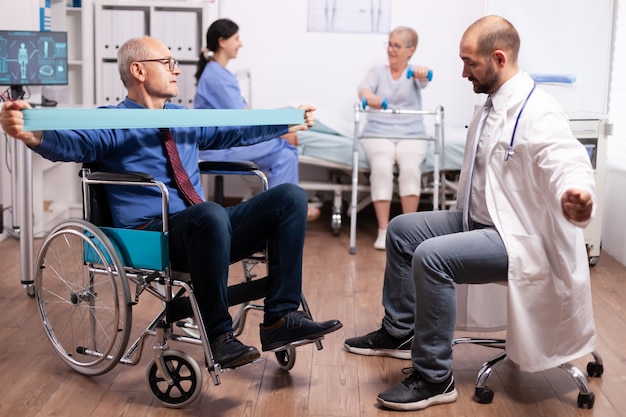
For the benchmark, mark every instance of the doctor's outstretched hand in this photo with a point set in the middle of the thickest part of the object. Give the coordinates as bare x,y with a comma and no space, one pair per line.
12,121
577,205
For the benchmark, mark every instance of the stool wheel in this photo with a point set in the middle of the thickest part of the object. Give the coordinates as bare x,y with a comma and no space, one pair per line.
595,369
586,401
483,395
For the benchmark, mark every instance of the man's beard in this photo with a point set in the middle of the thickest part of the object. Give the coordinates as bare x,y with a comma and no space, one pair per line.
492,81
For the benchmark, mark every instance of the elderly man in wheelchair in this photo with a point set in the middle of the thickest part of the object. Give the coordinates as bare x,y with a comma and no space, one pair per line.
203,238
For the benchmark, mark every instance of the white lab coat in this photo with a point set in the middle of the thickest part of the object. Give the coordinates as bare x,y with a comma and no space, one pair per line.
549,316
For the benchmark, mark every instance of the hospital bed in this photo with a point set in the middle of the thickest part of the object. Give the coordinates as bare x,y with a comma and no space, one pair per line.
345,169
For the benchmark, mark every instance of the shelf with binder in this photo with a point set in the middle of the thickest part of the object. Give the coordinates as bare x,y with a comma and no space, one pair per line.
73,27
179,25
76,22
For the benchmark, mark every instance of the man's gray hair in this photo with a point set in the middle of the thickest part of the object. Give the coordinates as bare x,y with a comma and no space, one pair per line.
133,50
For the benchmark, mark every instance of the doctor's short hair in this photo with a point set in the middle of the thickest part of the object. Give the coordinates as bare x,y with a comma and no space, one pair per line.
408,34
496,32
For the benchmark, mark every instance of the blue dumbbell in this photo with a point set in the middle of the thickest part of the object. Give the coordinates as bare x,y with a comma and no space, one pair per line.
409,74
383,104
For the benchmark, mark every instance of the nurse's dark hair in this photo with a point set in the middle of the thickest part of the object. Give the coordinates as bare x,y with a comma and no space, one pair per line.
495,33
219,29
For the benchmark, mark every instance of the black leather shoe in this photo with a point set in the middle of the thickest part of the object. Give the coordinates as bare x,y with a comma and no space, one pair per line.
295,326
229,352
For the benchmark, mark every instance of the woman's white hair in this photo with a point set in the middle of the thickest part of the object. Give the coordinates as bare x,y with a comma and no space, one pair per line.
409,35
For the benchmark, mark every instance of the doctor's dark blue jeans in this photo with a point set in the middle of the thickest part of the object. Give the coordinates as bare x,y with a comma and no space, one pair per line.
427,252
206,238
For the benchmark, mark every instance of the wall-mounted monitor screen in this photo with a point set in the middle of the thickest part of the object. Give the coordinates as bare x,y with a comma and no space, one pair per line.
33,58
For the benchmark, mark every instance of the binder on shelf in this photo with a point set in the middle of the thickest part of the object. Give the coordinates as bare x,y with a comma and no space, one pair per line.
113,90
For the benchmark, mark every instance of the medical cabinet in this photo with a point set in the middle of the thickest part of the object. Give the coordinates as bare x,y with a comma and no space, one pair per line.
592,130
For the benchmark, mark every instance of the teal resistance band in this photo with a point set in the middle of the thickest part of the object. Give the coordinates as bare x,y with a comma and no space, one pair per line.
107,118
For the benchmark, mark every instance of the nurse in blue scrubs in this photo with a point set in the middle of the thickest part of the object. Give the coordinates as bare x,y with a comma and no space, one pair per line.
218,88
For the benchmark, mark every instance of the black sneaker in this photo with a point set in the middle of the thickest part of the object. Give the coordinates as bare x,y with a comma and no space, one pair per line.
416,394
380,343
293,327
229,352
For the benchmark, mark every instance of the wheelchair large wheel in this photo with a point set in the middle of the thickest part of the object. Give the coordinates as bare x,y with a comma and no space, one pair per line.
186,379
83,297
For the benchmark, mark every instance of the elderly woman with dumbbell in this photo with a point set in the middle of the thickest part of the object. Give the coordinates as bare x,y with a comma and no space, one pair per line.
396,85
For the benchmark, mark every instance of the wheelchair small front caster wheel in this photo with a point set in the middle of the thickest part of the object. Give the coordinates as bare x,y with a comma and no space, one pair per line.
586,401
186,379
483,395
595,369
286,358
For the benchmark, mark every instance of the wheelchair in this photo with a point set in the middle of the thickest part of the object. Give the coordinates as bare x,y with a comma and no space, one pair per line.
89,276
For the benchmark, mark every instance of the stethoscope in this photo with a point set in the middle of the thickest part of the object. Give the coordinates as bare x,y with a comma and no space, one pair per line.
509,151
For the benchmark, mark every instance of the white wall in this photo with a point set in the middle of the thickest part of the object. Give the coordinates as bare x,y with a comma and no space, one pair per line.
290,65
20,15
565,37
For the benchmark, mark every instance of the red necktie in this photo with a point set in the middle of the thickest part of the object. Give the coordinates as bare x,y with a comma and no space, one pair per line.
180,175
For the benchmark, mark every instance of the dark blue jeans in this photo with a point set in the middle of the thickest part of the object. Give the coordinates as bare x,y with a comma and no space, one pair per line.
206,238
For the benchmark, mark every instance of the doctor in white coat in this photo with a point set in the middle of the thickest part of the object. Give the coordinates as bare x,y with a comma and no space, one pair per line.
525,193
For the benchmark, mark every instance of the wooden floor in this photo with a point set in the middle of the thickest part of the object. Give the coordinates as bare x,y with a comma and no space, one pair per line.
329,382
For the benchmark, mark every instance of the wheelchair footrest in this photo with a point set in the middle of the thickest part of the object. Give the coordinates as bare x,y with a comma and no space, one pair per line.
297,343
244,365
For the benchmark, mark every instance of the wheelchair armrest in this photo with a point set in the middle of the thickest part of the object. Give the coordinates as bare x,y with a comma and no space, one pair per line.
120,176
95,205
221,168
226,167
